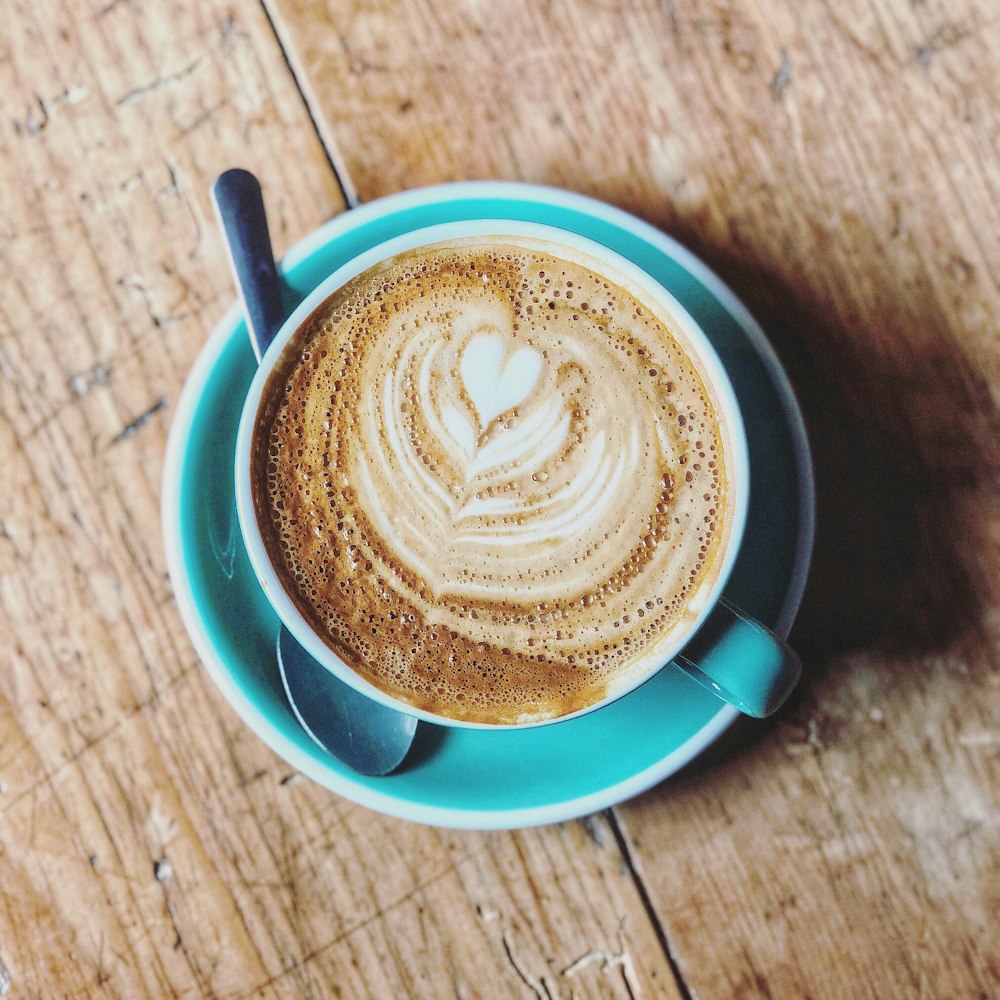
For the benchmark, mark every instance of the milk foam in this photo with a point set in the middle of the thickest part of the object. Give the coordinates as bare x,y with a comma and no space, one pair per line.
492,479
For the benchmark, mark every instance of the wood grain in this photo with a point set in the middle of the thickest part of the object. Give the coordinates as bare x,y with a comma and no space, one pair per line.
150,845
837,164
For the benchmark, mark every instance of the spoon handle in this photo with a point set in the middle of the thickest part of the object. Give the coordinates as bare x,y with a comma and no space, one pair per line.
240,205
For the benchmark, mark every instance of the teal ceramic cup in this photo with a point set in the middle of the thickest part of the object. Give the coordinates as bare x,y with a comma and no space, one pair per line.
725,650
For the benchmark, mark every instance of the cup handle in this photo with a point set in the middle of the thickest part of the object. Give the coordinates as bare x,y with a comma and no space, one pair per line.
741,661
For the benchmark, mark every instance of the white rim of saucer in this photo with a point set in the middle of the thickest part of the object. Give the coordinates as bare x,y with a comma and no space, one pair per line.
343,784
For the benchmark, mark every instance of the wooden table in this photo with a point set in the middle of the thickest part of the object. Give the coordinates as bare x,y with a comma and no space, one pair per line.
837,164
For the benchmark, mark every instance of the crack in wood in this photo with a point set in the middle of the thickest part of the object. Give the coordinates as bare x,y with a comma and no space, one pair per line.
136,425
136,281
208,114
159,83
647,904
537,986
34,124
40,110
344,182
609,961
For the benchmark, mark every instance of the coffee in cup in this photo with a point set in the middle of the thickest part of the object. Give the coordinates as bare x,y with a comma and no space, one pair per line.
492,476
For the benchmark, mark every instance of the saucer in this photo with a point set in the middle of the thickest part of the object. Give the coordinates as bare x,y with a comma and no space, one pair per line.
460,777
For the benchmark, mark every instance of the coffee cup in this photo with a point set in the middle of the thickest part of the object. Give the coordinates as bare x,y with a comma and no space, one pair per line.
716,644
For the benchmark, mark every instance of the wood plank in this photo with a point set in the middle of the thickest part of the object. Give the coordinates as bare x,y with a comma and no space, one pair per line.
150,845
836,163
270,886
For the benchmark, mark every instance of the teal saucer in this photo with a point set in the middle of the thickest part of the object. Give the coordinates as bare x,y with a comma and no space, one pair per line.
459,777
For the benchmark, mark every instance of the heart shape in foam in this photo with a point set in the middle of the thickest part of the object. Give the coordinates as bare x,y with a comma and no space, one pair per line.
493,386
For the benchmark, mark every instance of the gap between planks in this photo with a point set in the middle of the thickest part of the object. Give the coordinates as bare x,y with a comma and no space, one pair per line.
337,167
647,904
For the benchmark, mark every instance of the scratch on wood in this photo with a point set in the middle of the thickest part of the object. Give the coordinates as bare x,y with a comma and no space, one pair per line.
206,115
608,962
163,871
357,64
158,84
175,187
783,76
35,125
178,937
537,986
4,978
289,779
231,35
136,282
40,111
134,426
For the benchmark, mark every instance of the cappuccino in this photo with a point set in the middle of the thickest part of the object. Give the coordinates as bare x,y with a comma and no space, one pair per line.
491,478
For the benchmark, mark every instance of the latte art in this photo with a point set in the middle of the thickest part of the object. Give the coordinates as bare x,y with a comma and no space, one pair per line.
477,458
490,479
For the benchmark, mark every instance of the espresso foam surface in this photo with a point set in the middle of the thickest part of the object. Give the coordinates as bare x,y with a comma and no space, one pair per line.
490,479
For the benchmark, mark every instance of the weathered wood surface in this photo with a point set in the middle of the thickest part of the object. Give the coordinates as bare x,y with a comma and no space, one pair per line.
837,164
150,846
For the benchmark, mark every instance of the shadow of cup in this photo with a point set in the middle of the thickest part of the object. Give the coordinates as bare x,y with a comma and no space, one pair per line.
906,445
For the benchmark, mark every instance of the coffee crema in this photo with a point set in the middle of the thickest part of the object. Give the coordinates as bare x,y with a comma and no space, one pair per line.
491,479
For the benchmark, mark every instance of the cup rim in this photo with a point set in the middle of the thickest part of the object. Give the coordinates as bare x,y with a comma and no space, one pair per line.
554,237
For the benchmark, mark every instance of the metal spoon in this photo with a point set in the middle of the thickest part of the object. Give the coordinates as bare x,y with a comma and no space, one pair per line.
364,734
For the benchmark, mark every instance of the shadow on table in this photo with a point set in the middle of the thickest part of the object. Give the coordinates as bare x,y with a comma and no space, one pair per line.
903,430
